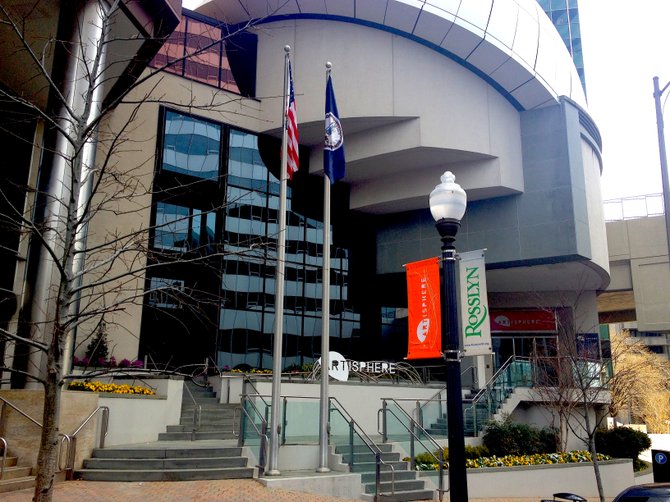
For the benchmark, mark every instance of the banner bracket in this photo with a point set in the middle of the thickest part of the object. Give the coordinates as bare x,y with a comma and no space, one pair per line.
452,355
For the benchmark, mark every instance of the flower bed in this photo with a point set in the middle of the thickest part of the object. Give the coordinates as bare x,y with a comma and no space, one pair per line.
521,460
111,388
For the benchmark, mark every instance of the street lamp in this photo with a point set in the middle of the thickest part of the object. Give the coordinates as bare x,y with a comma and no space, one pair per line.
658,92
447,205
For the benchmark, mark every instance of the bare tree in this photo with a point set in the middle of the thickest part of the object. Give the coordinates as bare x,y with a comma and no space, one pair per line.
90,273
575,384
645,395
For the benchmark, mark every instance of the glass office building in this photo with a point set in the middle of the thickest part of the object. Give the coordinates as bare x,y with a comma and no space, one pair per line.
216,196
565,16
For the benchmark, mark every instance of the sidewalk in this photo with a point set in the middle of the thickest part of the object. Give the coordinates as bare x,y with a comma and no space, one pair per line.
233,490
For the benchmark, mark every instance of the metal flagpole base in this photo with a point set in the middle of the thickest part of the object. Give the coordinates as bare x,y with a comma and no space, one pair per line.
323,469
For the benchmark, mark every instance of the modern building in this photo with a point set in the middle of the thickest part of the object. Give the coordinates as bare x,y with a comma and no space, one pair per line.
638,296
565,16
486,90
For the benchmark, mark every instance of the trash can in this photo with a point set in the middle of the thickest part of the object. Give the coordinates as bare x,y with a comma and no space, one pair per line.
661,465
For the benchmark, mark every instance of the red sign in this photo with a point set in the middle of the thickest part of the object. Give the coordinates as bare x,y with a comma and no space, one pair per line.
516,321
423,302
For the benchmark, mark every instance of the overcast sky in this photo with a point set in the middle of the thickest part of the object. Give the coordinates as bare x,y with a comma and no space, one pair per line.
626,43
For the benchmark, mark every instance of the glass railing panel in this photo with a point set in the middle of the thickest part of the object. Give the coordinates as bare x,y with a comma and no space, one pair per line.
397,422
339,427
433,416
406,434
256,410
301,421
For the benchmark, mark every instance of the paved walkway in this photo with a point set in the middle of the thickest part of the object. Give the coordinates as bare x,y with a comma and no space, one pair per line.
234,490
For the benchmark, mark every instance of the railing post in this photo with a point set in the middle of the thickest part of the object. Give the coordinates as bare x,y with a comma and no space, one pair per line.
104,426
384,430
412,433
378,475
419,414
243,419
440,482
351,446
263,448
283,420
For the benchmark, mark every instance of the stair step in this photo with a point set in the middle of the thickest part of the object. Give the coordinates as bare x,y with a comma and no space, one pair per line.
144,464
11,461
371,466
165,474
387,476
402,496
139,453
399,486
10,485
369,457
361,448
188,436
16,472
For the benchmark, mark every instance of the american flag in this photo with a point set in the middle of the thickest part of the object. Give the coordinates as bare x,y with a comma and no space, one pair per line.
292,127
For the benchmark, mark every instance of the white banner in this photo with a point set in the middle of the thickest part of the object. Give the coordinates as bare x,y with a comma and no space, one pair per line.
475,318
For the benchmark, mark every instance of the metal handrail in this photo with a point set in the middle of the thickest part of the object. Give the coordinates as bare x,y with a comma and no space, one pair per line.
489,388
247,380
374,449
4,456
197,411
9,403
262,433
492,380
414,424
70,439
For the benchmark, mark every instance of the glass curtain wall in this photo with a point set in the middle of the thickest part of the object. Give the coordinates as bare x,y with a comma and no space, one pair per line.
247,315
222,197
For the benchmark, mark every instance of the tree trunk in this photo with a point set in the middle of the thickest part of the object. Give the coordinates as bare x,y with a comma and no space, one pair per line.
47,459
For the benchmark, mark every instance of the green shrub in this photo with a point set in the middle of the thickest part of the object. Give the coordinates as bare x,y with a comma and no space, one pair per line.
510,438
475,452
622,442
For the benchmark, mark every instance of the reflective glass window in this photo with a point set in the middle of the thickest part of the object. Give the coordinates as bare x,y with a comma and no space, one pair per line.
191,146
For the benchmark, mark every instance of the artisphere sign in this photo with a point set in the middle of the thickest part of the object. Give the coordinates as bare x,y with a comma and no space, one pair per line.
340,367
475,314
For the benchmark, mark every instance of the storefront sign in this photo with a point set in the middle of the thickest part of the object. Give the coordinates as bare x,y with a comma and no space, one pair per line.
423,303
517,321
340,367
474,304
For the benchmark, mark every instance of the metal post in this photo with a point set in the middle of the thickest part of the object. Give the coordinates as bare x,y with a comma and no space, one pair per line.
273,460
325,324
457,475
664,158
385,437
283,420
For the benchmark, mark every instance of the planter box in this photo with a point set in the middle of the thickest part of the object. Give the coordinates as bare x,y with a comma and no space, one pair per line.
541,481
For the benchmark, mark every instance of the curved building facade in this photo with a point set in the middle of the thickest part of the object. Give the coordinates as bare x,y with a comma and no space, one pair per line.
484,89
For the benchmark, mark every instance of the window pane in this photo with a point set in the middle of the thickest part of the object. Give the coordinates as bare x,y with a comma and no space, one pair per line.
203,41
191,146
171,227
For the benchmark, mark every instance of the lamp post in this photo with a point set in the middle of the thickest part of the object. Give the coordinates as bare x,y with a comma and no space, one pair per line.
658,92
447,205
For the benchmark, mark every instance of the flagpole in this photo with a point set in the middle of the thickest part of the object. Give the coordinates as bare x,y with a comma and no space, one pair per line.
325,322
272,468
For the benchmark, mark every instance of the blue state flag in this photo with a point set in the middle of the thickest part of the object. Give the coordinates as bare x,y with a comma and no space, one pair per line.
333,149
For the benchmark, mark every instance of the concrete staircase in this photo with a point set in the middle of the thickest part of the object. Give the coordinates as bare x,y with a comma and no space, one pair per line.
156,463
406,485
185,452
216,420
15,477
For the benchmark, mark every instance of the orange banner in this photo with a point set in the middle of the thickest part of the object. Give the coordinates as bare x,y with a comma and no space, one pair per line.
423,302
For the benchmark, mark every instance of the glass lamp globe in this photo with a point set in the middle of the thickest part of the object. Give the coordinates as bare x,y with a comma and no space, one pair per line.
448,199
